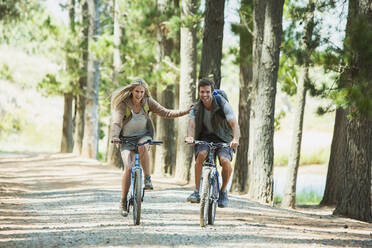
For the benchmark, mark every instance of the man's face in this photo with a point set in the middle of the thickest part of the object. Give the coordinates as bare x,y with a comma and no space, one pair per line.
205,93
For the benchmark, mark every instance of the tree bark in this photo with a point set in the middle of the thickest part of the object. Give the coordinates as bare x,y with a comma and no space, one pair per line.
187,87
240,175
80,98
165,158
289,196
67,142
67,126
91,128
265,70
212,41
336,168
113,156
355,201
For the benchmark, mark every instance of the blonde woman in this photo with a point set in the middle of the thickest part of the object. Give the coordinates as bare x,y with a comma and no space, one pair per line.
130,106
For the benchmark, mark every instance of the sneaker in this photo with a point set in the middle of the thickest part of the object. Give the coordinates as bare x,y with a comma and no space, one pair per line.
148,184
223,199
123,210
194,197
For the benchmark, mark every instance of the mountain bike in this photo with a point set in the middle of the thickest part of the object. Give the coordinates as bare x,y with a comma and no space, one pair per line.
137,191
210,186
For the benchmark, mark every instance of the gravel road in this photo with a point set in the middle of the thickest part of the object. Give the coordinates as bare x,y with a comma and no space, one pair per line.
60,200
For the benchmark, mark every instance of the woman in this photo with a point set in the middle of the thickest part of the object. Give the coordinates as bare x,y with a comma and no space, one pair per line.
130,107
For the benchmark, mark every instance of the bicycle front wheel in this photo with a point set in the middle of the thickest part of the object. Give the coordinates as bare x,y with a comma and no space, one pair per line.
213,201
204,197
137,197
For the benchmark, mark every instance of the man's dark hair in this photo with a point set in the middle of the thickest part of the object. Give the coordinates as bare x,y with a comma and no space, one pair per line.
206,82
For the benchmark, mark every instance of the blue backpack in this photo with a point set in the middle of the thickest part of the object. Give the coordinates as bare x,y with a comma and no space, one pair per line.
218,94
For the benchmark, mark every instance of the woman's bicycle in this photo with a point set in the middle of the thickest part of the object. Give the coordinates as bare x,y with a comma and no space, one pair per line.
137,190
210,186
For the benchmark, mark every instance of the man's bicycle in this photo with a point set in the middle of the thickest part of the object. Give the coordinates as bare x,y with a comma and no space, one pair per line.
210,186
137,190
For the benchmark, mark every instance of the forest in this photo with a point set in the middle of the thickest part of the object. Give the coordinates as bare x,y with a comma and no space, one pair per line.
275,48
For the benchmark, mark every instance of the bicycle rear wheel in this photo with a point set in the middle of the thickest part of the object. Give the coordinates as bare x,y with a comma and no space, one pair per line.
213,202
204,197
137,197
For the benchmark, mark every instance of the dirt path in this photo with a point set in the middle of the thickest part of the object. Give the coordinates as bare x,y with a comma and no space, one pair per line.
58,200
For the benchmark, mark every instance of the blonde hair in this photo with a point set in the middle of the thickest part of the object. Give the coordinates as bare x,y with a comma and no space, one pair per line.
123,93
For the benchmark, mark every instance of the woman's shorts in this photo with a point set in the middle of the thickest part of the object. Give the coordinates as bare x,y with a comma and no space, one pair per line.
135,140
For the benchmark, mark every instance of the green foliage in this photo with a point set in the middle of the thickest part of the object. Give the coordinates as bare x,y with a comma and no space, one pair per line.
11,122
305,197
6,72
277,119
16,10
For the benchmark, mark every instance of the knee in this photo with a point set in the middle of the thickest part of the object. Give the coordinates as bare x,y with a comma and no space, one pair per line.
142,150
225,163
202,155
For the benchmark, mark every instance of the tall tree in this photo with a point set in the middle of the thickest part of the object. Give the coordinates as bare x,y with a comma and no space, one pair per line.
212,41
336,168
80,98
91,123
239,181
187,84
67,127
355,201
307,47
267,31
166,9
113,154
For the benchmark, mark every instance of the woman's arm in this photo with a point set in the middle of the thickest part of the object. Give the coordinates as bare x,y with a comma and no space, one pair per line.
155,107
117,120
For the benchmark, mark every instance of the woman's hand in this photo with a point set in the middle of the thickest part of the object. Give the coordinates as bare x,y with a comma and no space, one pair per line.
116,141
189,109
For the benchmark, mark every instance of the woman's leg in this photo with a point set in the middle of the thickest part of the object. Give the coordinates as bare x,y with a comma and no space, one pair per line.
128,160
144,156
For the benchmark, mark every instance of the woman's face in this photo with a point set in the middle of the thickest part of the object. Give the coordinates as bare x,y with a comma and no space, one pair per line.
138,93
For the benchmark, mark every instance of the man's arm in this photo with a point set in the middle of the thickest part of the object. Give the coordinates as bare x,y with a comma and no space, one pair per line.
236,132
190,131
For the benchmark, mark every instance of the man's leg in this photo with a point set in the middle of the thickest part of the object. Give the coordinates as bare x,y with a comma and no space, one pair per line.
226,174
226,171
200,158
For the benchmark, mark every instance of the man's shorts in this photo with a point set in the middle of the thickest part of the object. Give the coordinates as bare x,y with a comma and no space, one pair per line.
226,152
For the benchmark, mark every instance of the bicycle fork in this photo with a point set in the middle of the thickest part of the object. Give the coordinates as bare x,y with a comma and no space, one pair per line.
136,167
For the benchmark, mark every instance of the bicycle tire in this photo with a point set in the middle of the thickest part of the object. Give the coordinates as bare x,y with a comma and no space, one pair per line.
204,197
137,198
213,202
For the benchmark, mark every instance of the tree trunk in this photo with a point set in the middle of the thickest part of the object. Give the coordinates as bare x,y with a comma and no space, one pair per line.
212,41
355,201
289,196
91,128
240,176
67,126
154,118
67,142
80,98
113,156
165,158
187,88
265,70
336,169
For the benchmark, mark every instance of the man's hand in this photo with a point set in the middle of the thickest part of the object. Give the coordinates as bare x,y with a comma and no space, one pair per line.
189,140
234,143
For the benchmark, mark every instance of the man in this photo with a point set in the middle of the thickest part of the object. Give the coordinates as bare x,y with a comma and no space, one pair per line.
212,120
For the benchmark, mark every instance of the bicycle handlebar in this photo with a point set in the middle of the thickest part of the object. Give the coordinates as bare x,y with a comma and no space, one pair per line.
210,144
149,141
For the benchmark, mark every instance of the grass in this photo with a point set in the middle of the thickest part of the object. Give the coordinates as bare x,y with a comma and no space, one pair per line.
305,197
318,155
